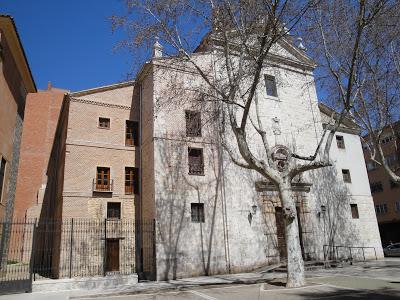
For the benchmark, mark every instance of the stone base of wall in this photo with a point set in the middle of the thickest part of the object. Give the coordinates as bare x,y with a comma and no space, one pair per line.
86,283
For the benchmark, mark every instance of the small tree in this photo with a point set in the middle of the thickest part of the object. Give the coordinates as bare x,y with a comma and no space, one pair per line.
241,35
356,44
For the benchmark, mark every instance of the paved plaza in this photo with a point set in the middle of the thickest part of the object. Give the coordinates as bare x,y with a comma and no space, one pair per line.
370,280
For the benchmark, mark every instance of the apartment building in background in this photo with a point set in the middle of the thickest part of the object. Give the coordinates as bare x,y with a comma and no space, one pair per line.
16,81
386,193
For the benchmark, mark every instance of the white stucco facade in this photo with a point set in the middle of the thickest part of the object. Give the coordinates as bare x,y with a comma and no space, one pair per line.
234,236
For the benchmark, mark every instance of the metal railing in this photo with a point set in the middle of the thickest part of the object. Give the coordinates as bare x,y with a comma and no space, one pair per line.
76,247
96,187
332,252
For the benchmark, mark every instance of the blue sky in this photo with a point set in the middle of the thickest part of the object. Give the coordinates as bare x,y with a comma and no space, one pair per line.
70,43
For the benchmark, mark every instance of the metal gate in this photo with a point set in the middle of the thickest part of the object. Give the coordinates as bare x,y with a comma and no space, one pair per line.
15,256
33,250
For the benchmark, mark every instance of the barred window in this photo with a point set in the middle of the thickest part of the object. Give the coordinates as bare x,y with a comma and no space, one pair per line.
376,187
346,175
340,142
381,208
270,85
354,211
113,210
193,123
394,185
132,133
197,212
195,159
104,123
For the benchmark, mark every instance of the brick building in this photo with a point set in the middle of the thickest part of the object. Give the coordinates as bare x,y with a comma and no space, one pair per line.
42,111
385,192
15,82
146,150
92,177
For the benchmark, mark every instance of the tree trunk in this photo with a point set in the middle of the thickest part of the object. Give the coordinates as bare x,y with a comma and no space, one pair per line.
295,264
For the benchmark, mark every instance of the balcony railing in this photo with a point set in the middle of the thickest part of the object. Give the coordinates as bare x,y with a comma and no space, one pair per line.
102,187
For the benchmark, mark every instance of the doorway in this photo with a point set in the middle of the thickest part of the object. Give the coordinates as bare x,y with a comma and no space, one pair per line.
112,255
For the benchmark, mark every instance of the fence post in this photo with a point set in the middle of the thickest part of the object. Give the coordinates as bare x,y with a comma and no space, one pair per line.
376,257
34,250
154,250
70,247
105,247
363,253
351,256
33,254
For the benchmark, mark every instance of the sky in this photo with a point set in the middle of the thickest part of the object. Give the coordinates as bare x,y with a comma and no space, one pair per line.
70,42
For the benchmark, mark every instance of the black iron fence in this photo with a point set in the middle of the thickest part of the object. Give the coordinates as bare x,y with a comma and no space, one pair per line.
37,249
350,253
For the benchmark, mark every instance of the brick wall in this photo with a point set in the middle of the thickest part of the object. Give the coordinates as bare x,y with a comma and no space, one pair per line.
41,116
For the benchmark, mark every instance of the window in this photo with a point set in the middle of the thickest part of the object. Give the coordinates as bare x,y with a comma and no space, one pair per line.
132,133
270,86
193,123
391,159
398,206
354,211
113,210
104,123
376,187
103,179
381,208
131,181
2,175
346,175
197,212
196,166
371,165
340,142
394,185
387,139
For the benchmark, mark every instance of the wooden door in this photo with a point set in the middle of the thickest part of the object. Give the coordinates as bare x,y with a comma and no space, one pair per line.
112,255
280,232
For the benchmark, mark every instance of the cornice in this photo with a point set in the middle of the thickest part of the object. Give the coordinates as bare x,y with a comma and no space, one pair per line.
92,102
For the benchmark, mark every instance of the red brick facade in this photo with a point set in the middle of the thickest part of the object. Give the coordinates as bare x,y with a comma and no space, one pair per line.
41,116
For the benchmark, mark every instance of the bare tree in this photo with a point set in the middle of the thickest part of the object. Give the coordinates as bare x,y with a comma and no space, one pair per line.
356,44
239,36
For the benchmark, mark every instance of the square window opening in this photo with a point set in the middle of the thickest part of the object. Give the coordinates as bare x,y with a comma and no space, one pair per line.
270,86
131,180
132,133
354,211
104,123
346,175
113,210
340,142
196,163
197,212
193,123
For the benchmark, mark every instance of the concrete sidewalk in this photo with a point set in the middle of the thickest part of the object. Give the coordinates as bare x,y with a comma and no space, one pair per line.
388,269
